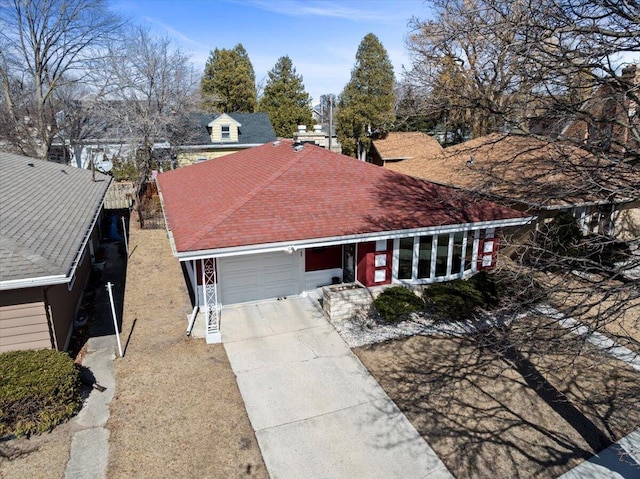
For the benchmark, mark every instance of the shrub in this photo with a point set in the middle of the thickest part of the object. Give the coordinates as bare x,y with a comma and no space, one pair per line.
455,300
38,390
488,286
396,302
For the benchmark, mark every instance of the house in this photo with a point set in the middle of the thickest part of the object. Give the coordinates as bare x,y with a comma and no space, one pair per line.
212,136
49,216
284,218
541,177
399,146
607,120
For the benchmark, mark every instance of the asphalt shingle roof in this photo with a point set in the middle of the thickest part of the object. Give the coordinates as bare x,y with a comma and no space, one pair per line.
272,193
403,145
256,129
526,169
46,210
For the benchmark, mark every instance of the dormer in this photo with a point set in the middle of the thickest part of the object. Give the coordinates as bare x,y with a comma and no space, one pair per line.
224,129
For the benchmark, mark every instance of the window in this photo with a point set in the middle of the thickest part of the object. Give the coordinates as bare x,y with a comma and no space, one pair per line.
424,257
442,255
225,132
468,260
456,258
405,259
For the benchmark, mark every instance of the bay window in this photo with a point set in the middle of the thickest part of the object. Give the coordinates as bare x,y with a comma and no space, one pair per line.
423,259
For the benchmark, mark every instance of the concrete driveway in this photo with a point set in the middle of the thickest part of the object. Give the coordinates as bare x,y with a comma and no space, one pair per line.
316,410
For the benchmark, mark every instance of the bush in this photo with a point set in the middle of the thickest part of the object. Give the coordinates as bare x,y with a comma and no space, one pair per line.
38,390
396,302
455,300
488,286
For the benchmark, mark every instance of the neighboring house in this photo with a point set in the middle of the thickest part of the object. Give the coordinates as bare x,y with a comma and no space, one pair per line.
48,233
213,136
399,146
608,121
284,218
319,136
536,176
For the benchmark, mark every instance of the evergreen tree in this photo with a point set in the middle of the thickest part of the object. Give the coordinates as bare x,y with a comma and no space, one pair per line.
366,103
229,82
284,99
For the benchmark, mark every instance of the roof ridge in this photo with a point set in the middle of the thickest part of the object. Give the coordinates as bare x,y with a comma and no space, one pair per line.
248,197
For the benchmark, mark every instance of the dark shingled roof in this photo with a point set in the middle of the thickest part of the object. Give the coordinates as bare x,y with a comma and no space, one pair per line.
46,212
255,128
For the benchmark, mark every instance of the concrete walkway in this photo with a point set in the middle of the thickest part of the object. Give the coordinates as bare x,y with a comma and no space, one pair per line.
90,443
316,410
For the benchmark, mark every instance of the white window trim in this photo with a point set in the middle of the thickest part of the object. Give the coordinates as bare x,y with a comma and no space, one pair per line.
434,250
222,132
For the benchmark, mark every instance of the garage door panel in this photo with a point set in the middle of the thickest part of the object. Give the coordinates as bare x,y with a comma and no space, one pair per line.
263,276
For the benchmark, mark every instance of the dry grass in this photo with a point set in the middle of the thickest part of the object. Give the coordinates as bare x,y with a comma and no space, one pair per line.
486,419
44,455
177,410
604,305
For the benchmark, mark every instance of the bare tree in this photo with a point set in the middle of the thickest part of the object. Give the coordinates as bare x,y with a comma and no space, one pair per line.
45,46
150,93
467,59
552,70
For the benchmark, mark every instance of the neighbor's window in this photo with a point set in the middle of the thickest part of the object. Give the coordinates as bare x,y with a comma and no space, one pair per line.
226,132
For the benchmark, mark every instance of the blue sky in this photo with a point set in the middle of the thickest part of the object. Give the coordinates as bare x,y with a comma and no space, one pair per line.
320,37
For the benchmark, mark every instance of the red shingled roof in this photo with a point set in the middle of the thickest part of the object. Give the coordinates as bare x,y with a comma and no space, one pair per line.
270,194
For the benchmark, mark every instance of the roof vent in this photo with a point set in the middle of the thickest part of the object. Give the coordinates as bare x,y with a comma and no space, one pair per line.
276,143
298,147
470,161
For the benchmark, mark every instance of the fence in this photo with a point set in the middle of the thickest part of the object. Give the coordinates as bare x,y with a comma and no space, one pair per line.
149,208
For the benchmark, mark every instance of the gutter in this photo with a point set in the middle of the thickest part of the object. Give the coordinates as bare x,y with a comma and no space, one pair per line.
34,282
172,242
218,147
87,235
59,278
291,246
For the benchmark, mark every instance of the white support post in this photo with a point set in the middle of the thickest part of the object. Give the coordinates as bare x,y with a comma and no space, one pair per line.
115,319
212,309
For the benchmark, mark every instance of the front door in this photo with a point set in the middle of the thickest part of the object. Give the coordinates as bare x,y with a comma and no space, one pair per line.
349,263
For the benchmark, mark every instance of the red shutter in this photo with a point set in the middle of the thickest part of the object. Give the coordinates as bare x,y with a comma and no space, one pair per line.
487,253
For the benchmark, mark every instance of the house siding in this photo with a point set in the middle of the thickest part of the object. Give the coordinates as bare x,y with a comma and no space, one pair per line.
366,260
64,304
23,320
216,131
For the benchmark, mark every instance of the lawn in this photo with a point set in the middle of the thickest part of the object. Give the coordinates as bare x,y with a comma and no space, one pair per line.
528,403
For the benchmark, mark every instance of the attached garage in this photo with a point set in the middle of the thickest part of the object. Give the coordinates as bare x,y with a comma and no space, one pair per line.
259,276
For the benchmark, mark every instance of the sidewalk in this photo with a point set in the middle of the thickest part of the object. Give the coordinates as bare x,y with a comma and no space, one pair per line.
90,443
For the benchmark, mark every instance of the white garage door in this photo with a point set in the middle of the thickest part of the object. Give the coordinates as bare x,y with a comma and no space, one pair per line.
259,276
